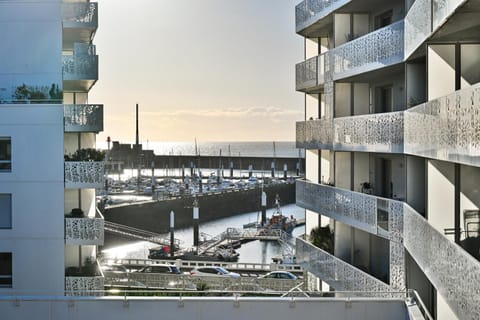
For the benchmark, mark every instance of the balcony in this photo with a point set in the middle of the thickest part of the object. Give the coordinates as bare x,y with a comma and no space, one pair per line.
84,230
453,272
379,49
309,12
375,215
338,274
84,174
381,132
425,17
87,280
446,128
315,134
83,117
80,69
310,74
80,22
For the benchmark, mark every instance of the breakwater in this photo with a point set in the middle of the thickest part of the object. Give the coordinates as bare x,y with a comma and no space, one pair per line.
155,215
125,156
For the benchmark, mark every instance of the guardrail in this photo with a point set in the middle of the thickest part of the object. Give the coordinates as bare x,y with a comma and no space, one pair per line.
423,18
84,174
84,231
83,117
337,273
374,50
203,283
309,11
187,264
80,14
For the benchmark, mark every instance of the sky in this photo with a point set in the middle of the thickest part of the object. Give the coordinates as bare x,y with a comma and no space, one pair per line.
214,70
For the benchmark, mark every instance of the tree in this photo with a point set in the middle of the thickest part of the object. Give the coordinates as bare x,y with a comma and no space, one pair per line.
322,237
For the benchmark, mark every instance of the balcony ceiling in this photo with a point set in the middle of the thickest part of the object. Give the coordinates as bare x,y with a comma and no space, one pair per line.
324,27
72,35
462,26
78,85
363,6
383,73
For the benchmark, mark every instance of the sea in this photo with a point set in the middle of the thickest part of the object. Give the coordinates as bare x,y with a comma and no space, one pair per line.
285,149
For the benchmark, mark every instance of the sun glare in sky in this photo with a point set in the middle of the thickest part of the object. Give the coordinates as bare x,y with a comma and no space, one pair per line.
217,70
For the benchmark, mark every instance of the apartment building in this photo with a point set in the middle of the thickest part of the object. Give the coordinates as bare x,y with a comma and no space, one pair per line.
391,128
49,226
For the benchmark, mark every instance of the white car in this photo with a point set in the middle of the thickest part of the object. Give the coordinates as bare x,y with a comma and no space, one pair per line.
280,275
213,271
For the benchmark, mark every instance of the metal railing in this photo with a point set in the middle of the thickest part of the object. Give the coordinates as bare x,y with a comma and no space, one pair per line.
374,50
84,174
80,67
375,215
315,134
187,264
189,282
139,234
441,259
309,11
443,129
423,18
83,117
337,273
306,74
379,132
453,272
446,128
85,231
81,14
85,285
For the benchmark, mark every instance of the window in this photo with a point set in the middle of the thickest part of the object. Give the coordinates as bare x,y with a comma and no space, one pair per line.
5,269
5,154
383,19
5,211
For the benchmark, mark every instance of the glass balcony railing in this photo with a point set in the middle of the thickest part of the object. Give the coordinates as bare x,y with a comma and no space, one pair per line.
381,132
446,128
310,11
375,50
80,14
84,174
84,230
83,117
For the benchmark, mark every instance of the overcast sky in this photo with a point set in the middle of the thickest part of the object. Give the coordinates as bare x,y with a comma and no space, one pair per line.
215,70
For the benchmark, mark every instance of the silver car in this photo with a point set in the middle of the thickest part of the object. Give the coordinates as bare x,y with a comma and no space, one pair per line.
213,271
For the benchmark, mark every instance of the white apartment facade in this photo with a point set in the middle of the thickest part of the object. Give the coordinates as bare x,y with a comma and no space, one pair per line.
47,67
392,100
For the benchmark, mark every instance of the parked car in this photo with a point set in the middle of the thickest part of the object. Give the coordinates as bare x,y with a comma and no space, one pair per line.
279,275
115,268
213,271
161,268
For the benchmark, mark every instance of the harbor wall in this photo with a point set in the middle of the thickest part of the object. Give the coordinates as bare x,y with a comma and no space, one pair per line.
155,215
